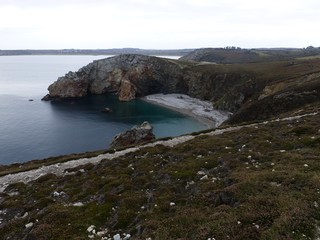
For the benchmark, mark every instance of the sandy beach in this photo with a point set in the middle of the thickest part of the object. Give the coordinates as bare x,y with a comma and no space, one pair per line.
202,111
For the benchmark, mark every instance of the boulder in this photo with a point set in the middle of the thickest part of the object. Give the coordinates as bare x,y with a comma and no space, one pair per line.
137,135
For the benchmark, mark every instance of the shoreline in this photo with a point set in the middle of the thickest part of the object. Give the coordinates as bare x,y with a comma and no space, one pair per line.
201,111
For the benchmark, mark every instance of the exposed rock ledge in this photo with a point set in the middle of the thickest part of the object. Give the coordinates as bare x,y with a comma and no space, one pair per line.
129,76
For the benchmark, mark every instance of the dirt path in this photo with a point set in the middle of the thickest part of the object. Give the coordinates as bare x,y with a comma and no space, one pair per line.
60,168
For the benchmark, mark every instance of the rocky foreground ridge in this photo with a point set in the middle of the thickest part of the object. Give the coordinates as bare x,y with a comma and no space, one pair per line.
251,91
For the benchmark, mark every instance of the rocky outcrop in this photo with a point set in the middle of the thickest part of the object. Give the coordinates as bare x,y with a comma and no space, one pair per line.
129,76
137,135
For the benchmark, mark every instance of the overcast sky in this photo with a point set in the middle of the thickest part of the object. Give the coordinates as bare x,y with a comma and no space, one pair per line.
158,24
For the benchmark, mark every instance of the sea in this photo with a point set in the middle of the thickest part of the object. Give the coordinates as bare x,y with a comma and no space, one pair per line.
32,129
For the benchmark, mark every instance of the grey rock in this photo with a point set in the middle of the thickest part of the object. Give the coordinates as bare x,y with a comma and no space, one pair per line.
137,135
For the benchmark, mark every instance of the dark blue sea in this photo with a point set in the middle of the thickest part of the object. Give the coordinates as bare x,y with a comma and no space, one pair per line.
36,129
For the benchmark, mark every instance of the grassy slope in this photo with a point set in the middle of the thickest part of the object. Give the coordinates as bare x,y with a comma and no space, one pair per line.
258,90
220,55
266,186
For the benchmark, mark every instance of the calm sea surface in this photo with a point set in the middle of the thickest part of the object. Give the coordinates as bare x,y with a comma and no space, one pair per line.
37,129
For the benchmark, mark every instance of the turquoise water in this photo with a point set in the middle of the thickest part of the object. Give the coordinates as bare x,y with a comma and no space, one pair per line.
36,129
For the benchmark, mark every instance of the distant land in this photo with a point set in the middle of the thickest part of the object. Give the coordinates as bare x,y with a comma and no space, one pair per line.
226,55
113,51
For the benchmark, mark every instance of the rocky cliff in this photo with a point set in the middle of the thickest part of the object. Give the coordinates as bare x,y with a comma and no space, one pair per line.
129,76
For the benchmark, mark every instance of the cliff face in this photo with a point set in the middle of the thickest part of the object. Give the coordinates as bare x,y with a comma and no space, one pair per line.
130,76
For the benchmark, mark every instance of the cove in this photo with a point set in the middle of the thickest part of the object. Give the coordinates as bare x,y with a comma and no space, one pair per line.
37,130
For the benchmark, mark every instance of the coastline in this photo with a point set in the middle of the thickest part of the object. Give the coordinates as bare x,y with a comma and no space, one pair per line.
199,110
